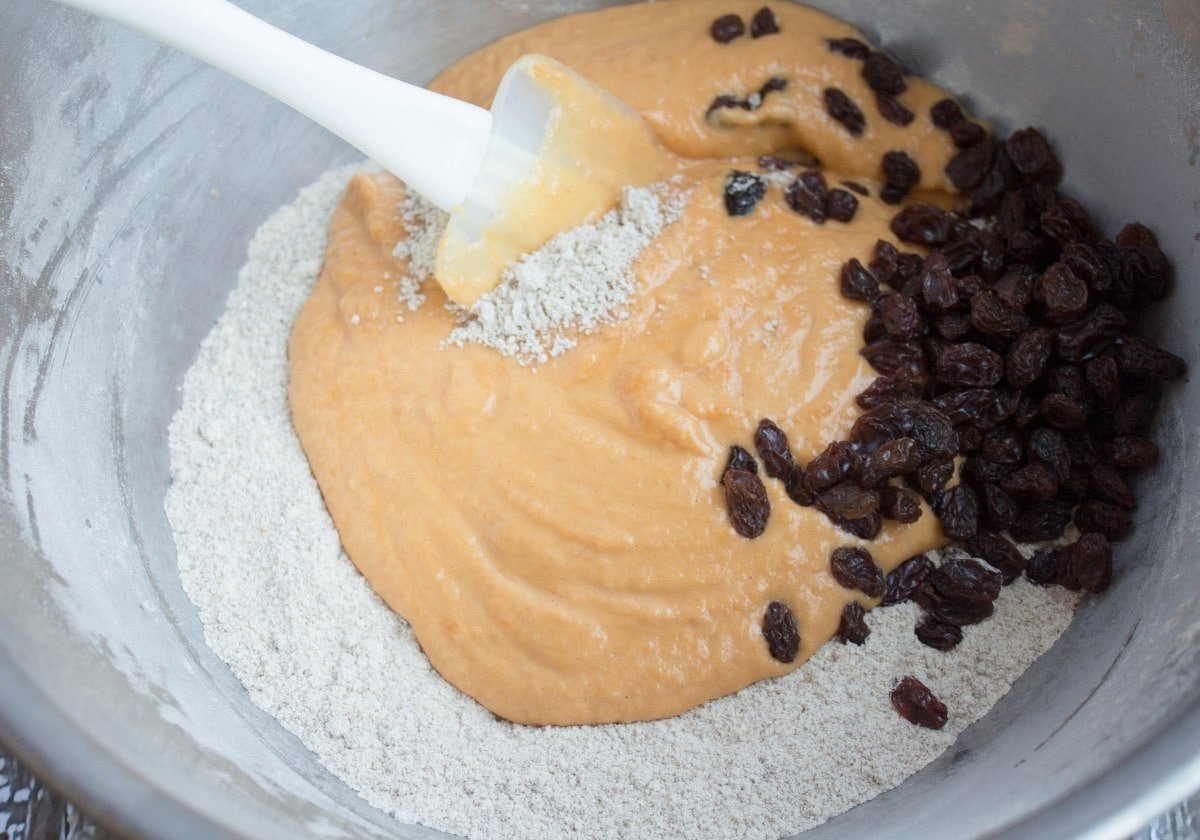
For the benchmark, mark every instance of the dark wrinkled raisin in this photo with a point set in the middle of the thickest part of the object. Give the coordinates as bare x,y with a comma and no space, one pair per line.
726,100
934,434
887,390
953,326
1047,446
781,632
1107,484
1064,413
901,318
1089,563
892,111
1135,412
740,459
865,528
946,113
1147,271
1090,336
808,194
1033,157
922,224
843,110
1104,377
1067,221
892,194
1110,520
903,580
999,553
894,357
726,28
967,168
984,407
949,611
1043,567
832,466
885,263
883,423
796,490
932,477
1068,380
1063,294
772,446
743,190
917,704
938,636
883,74
985,469
901,170
852,627
1090,266
1041,521
970,438
895,457
899,504
763,23
1138,357
1028,357
966,580
841,205
857,282
969,365
961,255
849,500
746,501
1015,289
854,568
958,510
1032,482
1003,445
939,289
999,508
968,134
849,47
856,187
991,317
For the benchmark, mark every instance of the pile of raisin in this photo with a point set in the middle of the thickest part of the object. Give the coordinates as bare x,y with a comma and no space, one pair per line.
728,28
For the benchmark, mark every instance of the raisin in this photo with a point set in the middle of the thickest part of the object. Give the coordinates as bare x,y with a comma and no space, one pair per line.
726,100
949,611
985,469
772,446
917,704
841,205
953,326
1090,336
807,195
743,191
999,553
1068,380
843,110
1135,234
852,627
1146,270
884,75
968,168
763,23
934,434
1028,356
856,187
887,390
967,134
1067,221
999,507
1032,482
778,163
892,194
1064,413
1003,445
946,113
894,357
938,636
746,501
922,224
932,477
895,457
903,580
970,365
1088,265
854,568
961,255
1104,376
1047,446
885,263
781,632
740,459
958,510
892,110
849,500
991,317
901,318
857,282
1088,563
1041,521
969,438
726,28
1033,157
849,47
1015,289
796,490
1135,412
865,528
1063,294
1138,357
939,289
1044,566
984,407
1107,484
899,504
832,466
966,581
1110,520
901,170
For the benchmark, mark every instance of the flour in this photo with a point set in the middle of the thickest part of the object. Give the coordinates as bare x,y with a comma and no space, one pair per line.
424,223
284,606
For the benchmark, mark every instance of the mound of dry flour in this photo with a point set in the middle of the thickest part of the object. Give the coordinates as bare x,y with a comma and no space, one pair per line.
285,607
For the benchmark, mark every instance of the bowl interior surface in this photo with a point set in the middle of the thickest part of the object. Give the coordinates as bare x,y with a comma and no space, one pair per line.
131,180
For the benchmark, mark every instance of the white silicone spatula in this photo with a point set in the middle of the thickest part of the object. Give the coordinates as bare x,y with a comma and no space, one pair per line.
461,157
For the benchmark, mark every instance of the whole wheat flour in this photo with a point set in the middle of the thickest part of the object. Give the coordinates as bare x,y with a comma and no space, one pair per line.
285,607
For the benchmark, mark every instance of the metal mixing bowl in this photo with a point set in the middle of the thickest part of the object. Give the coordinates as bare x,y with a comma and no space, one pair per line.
131,179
